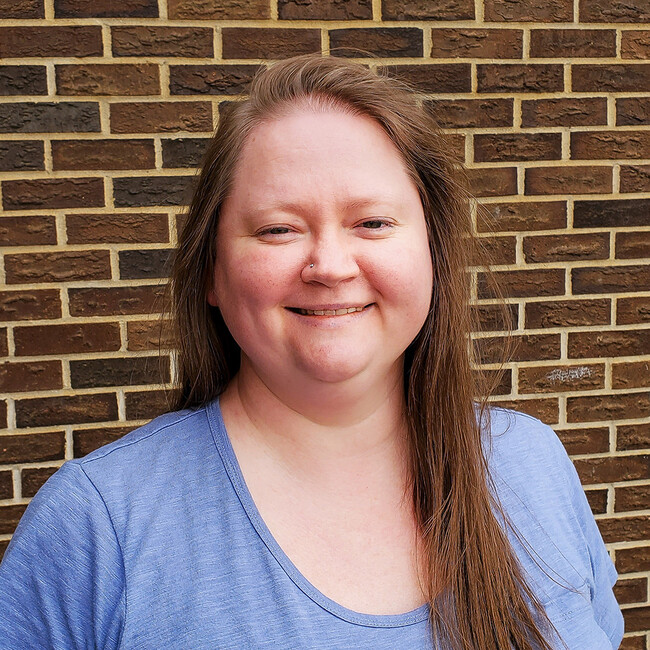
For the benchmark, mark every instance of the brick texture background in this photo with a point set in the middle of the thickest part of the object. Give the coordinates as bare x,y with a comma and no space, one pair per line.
105,110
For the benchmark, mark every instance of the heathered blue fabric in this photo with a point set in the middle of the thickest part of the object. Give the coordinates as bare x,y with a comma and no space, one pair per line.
154,542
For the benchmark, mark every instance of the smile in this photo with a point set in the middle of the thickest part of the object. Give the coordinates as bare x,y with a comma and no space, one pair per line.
327,312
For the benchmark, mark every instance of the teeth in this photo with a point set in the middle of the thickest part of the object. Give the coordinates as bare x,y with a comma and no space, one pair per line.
329,312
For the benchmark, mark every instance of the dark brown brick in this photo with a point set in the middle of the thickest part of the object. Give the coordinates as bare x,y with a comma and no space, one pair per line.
613,279
53,193
141,191
67,339
105,9
23,80
381,41
609,344
213,79
635,178
585,441
614,11
141,405
9,518
567,313
633,310
533,215
434,77
544,409
33,478
477,43
625,529
632,111
150,263
599,145
561,248
556,379
633,560
149,335
27,231
155,117
611,214
108,79
633,590
21,155
499,250
527,347
30,375
520,78
32,447
18,42
504,147
633,436
633,497
263,43
120,228
503,385
611,77
561,43
635,44
130,371
30,304
184,152
87,440
611,469
71,409
568,180
609,407
523,283
492,317
6,486
597,501
455,146
218,9
635,642
22,9
631,374
486,181
115,301
149,40
583,111
633,245
62,117
471,113
423,10
63,266
529,10
103,154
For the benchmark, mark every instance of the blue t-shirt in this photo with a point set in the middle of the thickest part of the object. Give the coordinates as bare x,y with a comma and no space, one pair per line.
154,542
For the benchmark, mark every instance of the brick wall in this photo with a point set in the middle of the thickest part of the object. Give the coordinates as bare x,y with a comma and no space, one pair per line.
105,110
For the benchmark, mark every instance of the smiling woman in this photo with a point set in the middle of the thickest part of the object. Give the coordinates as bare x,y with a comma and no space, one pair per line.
334,476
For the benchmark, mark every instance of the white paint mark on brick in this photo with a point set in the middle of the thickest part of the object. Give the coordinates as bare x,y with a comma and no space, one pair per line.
567,374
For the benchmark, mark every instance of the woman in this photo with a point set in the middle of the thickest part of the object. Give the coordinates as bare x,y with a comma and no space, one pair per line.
330,481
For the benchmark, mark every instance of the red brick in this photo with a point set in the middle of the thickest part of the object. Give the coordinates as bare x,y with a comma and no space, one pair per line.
603,145
161,117
631,375
585,441
9,518
611,279
117,228
564,111
568,180
597,501
149,335
560,248
18,41
633,436
504,147
611,77
621,343
30,304
32,447
30,375
556,379
477,43
533,215
567,313
608,407
546,410
561,43
218,9
22,9
62,266
33,478
105,9
529,10
67,338
114,301
611,214
635,44
523,283
423,9
53,193
633,245
107,79
527,347
612,469
263,43
632,111
212,79
471,113
633,310
614,11
103,154
637,619
380,41
27,231
491,181
434,77
149,40
141,405
87,440
520,77
633,560
71,409
632,497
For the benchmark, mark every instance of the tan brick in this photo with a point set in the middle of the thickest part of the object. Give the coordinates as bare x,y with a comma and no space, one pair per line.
491,181
593,408
32,447
605,145
561,43
555,379
22,41
558,248
67,339
150,40
632,497
635,44
631,374
477,43
568,180
523,283
633,245
633,310
117,228
30,375
529,10
103,154
161,117
71,409
633,436
635,178
65,266
53,193
263,43
218,9
27,231
108,79
533,215
561,111
114,301
592,440
567,313
621,343
30,304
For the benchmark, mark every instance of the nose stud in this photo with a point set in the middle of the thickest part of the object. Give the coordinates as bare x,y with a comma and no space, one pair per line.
311,266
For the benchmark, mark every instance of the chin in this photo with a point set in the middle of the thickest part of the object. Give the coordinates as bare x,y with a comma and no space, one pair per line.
332,371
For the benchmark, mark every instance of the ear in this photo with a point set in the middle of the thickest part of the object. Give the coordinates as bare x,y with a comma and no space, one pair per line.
212,297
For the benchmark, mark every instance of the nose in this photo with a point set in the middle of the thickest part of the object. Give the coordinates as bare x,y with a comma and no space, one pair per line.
330,260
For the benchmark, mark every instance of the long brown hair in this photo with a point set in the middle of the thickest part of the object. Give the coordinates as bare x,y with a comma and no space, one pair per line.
478,596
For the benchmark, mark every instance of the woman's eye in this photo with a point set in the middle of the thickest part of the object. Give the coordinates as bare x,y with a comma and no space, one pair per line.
374,224
275,230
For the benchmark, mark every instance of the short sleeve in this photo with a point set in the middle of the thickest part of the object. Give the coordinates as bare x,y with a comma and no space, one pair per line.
62,577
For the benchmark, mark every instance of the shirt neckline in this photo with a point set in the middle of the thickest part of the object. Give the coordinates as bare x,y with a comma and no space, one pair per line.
225,449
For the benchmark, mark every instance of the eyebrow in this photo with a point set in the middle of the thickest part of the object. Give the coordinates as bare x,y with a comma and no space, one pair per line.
297,208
